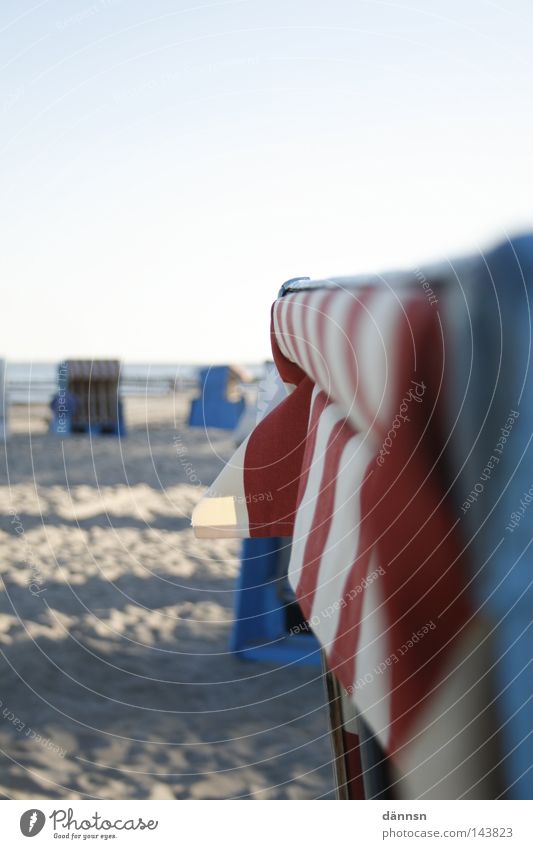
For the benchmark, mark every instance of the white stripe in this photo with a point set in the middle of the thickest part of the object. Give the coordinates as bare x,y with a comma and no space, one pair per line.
342,542
288,335
318,369
279,323
372,696
446,756
303,341
336,347
304,517
377,353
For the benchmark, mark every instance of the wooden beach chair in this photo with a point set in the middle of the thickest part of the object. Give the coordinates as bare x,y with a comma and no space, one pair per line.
221,402
88,398
269,626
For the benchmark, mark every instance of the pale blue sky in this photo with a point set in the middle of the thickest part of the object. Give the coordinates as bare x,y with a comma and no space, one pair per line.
166,165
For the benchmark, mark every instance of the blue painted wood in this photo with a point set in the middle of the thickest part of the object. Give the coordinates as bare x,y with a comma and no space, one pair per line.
212,408
260,629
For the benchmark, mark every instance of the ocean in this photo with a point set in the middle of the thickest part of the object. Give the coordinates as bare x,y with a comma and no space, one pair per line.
36,383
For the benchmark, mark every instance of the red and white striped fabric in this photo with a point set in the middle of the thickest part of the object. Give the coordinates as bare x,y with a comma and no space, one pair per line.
350,464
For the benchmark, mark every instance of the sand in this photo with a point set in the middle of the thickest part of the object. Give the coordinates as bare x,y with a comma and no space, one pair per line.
114,625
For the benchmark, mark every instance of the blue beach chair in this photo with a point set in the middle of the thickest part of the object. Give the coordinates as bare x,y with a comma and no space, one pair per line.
215,407
269,626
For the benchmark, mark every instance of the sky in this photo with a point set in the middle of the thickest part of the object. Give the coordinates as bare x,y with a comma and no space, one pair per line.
166,165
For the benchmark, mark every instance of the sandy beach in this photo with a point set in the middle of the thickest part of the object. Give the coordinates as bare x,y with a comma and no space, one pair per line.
114,626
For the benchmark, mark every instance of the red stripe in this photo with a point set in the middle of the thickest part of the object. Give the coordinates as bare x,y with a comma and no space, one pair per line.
321,401
273,463
323,515
310,343
319,405
345,338
417,547
356,314
289,371
341,658
403,515
290,338
321,337
354,770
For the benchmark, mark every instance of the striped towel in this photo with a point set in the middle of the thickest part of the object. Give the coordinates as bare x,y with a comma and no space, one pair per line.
350,464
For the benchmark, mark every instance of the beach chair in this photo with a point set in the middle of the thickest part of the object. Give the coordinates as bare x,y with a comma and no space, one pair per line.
269,626
88,398
221,402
